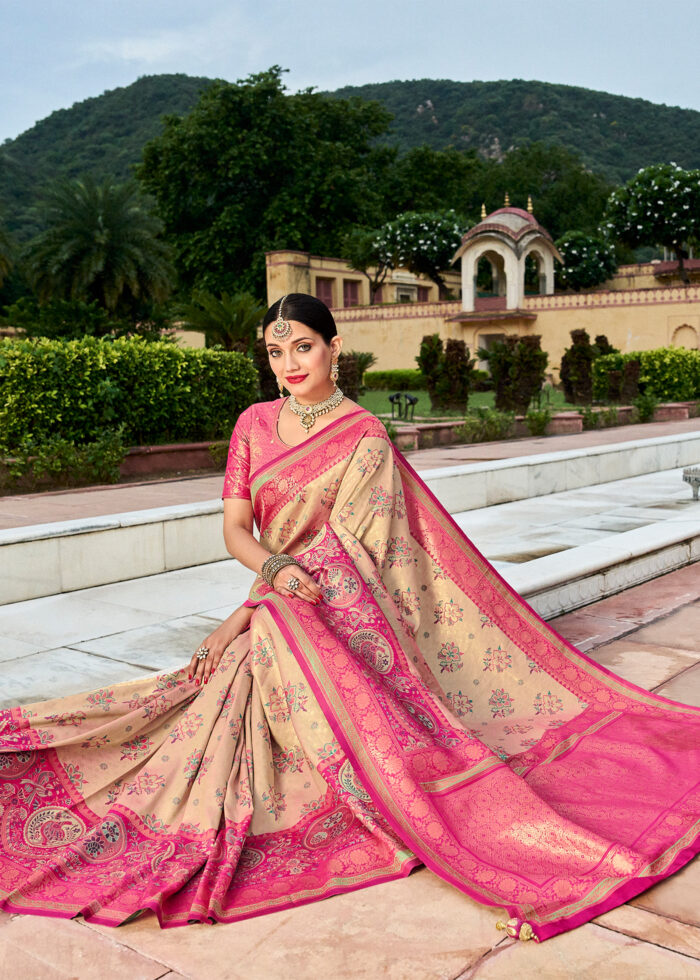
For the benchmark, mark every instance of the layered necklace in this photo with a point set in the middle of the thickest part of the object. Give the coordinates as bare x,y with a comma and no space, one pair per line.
309,413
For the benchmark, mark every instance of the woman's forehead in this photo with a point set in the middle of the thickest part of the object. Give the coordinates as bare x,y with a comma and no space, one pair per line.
299,331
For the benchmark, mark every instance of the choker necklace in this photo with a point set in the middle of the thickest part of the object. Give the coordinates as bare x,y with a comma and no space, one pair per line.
309,413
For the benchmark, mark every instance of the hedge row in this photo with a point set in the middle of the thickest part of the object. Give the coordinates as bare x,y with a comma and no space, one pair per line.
160,393
671,374
395,380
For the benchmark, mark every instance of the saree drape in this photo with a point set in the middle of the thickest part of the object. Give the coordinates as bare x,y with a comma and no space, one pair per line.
423,713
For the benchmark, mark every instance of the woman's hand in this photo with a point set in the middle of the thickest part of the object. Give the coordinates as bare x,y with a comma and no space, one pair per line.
217,642
309,590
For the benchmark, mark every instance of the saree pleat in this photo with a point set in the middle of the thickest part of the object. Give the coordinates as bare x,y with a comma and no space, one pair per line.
422,713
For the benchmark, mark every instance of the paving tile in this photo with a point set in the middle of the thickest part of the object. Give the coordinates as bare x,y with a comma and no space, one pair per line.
586,631
375,932
164,646
168,596
12,649
684,687
56,620
40,948
647,665
588,953
677,897
681,628
653,928
58,673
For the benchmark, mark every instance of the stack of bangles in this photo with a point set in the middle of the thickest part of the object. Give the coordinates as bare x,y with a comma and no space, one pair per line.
272,565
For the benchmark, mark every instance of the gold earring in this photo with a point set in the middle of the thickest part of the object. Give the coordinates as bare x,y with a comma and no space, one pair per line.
334,372
281,388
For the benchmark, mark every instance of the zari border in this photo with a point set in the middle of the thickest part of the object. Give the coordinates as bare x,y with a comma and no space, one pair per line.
604,896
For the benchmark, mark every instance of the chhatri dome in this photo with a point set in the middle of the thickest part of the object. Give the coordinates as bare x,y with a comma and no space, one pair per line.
506,238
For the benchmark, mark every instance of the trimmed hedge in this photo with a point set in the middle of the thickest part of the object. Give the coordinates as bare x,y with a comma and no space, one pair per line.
406,380
671,374
157,391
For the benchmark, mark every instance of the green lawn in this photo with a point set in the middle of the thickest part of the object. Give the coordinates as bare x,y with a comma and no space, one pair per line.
377,402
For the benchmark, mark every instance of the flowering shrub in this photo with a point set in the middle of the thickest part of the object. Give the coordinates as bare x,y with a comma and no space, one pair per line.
588,261
659,206
421,241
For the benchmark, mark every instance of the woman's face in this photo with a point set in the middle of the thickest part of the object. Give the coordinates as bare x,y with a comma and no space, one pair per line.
302,361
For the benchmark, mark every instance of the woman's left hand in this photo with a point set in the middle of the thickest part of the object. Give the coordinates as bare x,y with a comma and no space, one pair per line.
216,644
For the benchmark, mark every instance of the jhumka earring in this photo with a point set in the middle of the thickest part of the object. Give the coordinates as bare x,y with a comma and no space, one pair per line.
281,388
334,372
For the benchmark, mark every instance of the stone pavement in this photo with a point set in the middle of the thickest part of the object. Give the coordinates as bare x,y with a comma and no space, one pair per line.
64,505
419,928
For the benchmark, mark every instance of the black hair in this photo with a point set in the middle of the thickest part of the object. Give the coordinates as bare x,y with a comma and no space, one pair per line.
305,309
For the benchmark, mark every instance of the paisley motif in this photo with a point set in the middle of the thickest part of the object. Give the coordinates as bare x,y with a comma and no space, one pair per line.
341,586
250,858
325,830
52,826
374,650
347,777
420,713
105,842
14,764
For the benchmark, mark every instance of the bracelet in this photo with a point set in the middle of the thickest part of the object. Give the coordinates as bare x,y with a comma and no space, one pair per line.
272,565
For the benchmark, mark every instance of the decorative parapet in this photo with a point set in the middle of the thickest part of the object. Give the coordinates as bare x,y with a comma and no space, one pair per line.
397,311
613,297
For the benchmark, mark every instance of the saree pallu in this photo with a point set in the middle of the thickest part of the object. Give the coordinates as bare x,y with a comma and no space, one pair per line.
422,713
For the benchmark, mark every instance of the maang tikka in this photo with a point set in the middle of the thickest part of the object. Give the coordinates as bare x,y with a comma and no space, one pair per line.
281,328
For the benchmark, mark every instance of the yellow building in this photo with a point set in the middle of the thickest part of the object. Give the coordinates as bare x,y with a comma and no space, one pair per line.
642,307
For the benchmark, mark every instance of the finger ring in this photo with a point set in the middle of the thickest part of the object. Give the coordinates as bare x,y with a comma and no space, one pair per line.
293,584
202,653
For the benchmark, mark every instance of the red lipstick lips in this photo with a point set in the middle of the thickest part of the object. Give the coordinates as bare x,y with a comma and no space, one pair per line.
295,379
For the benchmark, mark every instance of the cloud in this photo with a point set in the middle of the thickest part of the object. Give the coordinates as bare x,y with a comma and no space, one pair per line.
203,43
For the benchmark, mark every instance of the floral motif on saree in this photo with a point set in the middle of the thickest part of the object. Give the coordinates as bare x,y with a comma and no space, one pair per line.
421,713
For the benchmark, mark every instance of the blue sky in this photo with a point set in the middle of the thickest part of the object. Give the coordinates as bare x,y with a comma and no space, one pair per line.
57,52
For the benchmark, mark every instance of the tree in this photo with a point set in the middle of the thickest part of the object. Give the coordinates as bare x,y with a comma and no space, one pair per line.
423,242
517,366
253,169
101,245
365,251
565,193
6,255
448,372
658,206
588,260
230,321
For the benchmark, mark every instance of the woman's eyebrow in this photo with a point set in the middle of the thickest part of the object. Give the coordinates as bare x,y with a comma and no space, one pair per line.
297,341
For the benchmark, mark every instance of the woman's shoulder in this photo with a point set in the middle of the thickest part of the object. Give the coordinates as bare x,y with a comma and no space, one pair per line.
371,425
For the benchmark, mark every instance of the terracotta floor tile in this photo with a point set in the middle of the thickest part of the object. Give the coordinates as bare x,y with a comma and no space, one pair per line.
684,687
653,928
364,935
34,948
681,628
678,897
647,665
588,953
585,630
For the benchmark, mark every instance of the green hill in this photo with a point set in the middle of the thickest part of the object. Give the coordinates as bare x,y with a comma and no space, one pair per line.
102,136
614,135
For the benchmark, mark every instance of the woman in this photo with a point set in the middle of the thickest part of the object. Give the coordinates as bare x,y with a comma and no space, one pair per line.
383,699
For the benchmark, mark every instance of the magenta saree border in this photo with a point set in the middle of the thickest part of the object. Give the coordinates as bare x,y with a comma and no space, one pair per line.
513,594
615,897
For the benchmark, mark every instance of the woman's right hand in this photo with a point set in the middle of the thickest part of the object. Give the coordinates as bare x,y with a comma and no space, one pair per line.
309,590
217,643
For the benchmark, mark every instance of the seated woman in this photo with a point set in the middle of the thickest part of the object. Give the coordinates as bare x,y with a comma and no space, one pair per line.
383,699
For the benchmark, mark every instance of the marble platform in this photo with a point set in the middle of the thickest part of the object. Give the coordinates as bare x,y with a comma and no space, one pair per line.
51,558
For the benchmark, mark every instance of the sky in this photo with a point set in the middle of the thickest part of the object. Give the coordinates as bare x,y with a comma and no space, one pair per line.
57,52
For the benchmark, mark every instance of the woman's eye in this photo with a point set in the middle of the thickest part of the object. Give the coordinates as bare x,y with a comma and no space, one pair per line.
302,348
274,353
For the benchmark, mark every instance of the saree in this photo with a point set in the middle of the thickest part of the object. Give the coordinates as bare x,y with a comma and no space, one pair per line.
422,713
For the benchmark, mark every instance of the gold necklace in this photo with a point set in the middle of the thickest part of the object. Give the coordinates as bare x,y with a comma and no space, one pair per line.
309,413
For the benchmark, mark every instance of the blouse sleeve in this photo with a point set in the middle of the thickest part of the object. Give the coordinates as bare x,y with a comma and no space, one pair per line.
237,479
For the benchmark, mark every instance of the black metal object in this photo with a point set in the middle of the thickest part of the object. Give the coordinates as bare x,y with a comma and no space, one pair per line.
410,406
396,405
403,405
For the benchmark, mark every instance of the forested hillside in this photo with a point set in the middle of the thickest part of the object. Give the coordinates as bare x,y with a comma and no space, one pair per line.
101,136
613,135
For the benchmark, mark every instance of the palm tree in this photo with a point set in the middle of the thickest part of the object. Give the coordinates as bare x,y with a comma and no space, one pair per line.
100,244
230,321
